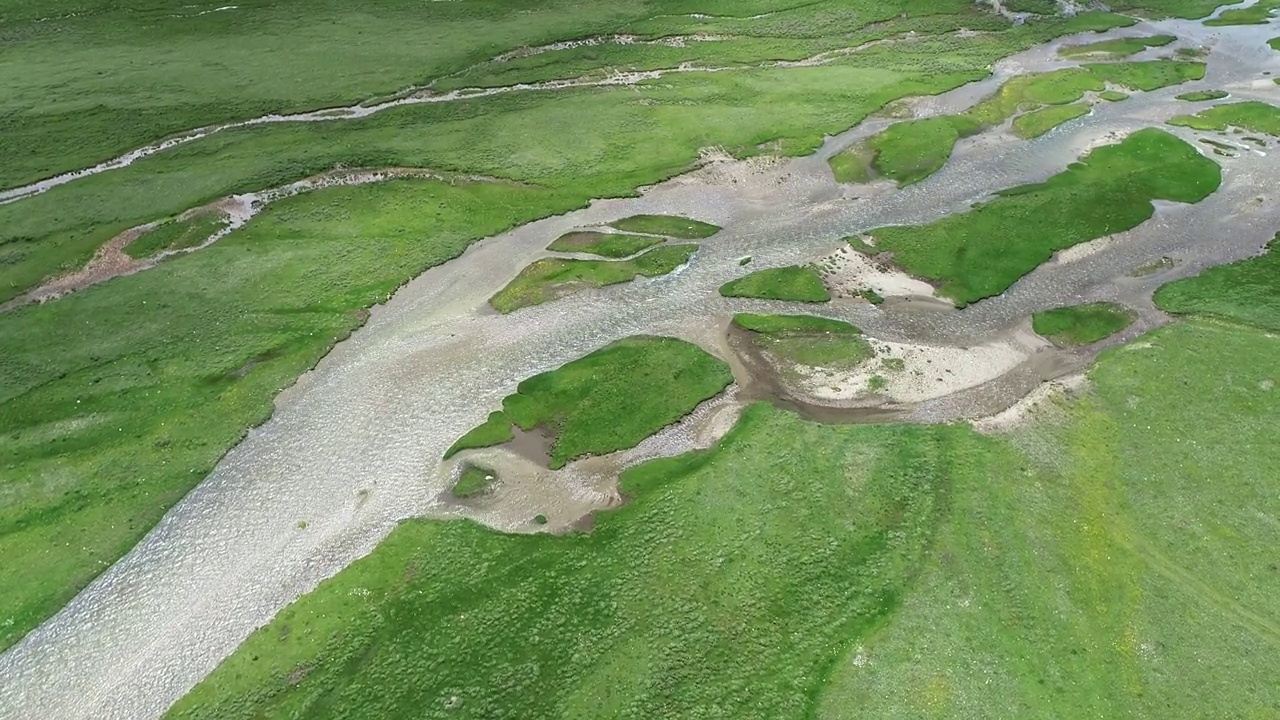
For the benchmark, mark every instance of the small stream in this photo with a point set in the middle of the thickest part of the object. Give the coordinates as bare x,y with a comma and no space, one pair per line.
354,445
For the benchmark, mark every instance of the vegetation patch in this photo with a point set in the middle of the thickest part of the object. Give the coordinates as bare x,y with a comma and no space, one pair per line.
982,252
799,283
668,225
175,235
844,571
1113,95
1257,14
551,278
1037,7
853,164
1253,115
1111,529
1203,95
611,399
474,480
1038,122
751,565
1082,324
911,151
1247,291
168,368
1119,48
493,431
610,245
807,340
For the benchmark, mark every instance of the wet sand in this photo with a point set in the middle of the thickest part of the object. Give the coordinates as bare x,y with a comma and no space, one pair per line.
354,445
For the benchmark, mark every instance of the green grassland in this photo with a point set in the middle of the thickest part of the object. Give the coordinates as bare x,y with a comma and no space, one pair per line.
1112,558
798,283
519,137
219,332
610,399
1256,14
495,430
669,225
224,329
551,278
1253,115
1040,7
1115,563
727,587
806,340
1274,43
1202,95
980,253
117,400
1247,291
175,234
910,151
610,245
1082,324
474,480
1038,122
1121,48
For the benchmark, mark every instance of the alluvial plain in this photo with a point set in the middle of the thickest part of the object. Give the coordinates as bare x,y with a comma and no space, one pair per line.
794,568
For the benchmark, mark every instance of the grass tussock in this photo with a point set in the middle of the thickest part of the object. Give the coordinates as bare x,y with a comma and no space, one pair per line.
798,283
552,278
1082,324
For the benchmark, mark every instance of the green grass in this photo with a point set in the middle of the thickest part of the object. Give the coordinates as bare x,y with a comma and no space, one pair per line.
799,283
911,151
519,137
1112,95
1038,122
218,333
728,586
1040,7
769,324
1256,116
174,235
1186,9
493,431
1203,95
980,253
1274,43
255,311
1247,291
552,278
1112,559
806,339
853,164
116,401
669,225
473,481
1258,14
611,399
1147,76
1082,324
1119,48
1116,561
610,245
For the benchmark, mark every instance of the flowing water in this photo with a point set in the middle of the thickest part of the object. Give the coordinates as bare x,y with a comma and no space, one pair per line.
354,445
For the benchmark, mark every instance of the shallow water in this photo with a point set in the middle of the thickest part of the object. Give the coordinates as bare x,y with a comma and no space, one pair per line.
354,445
